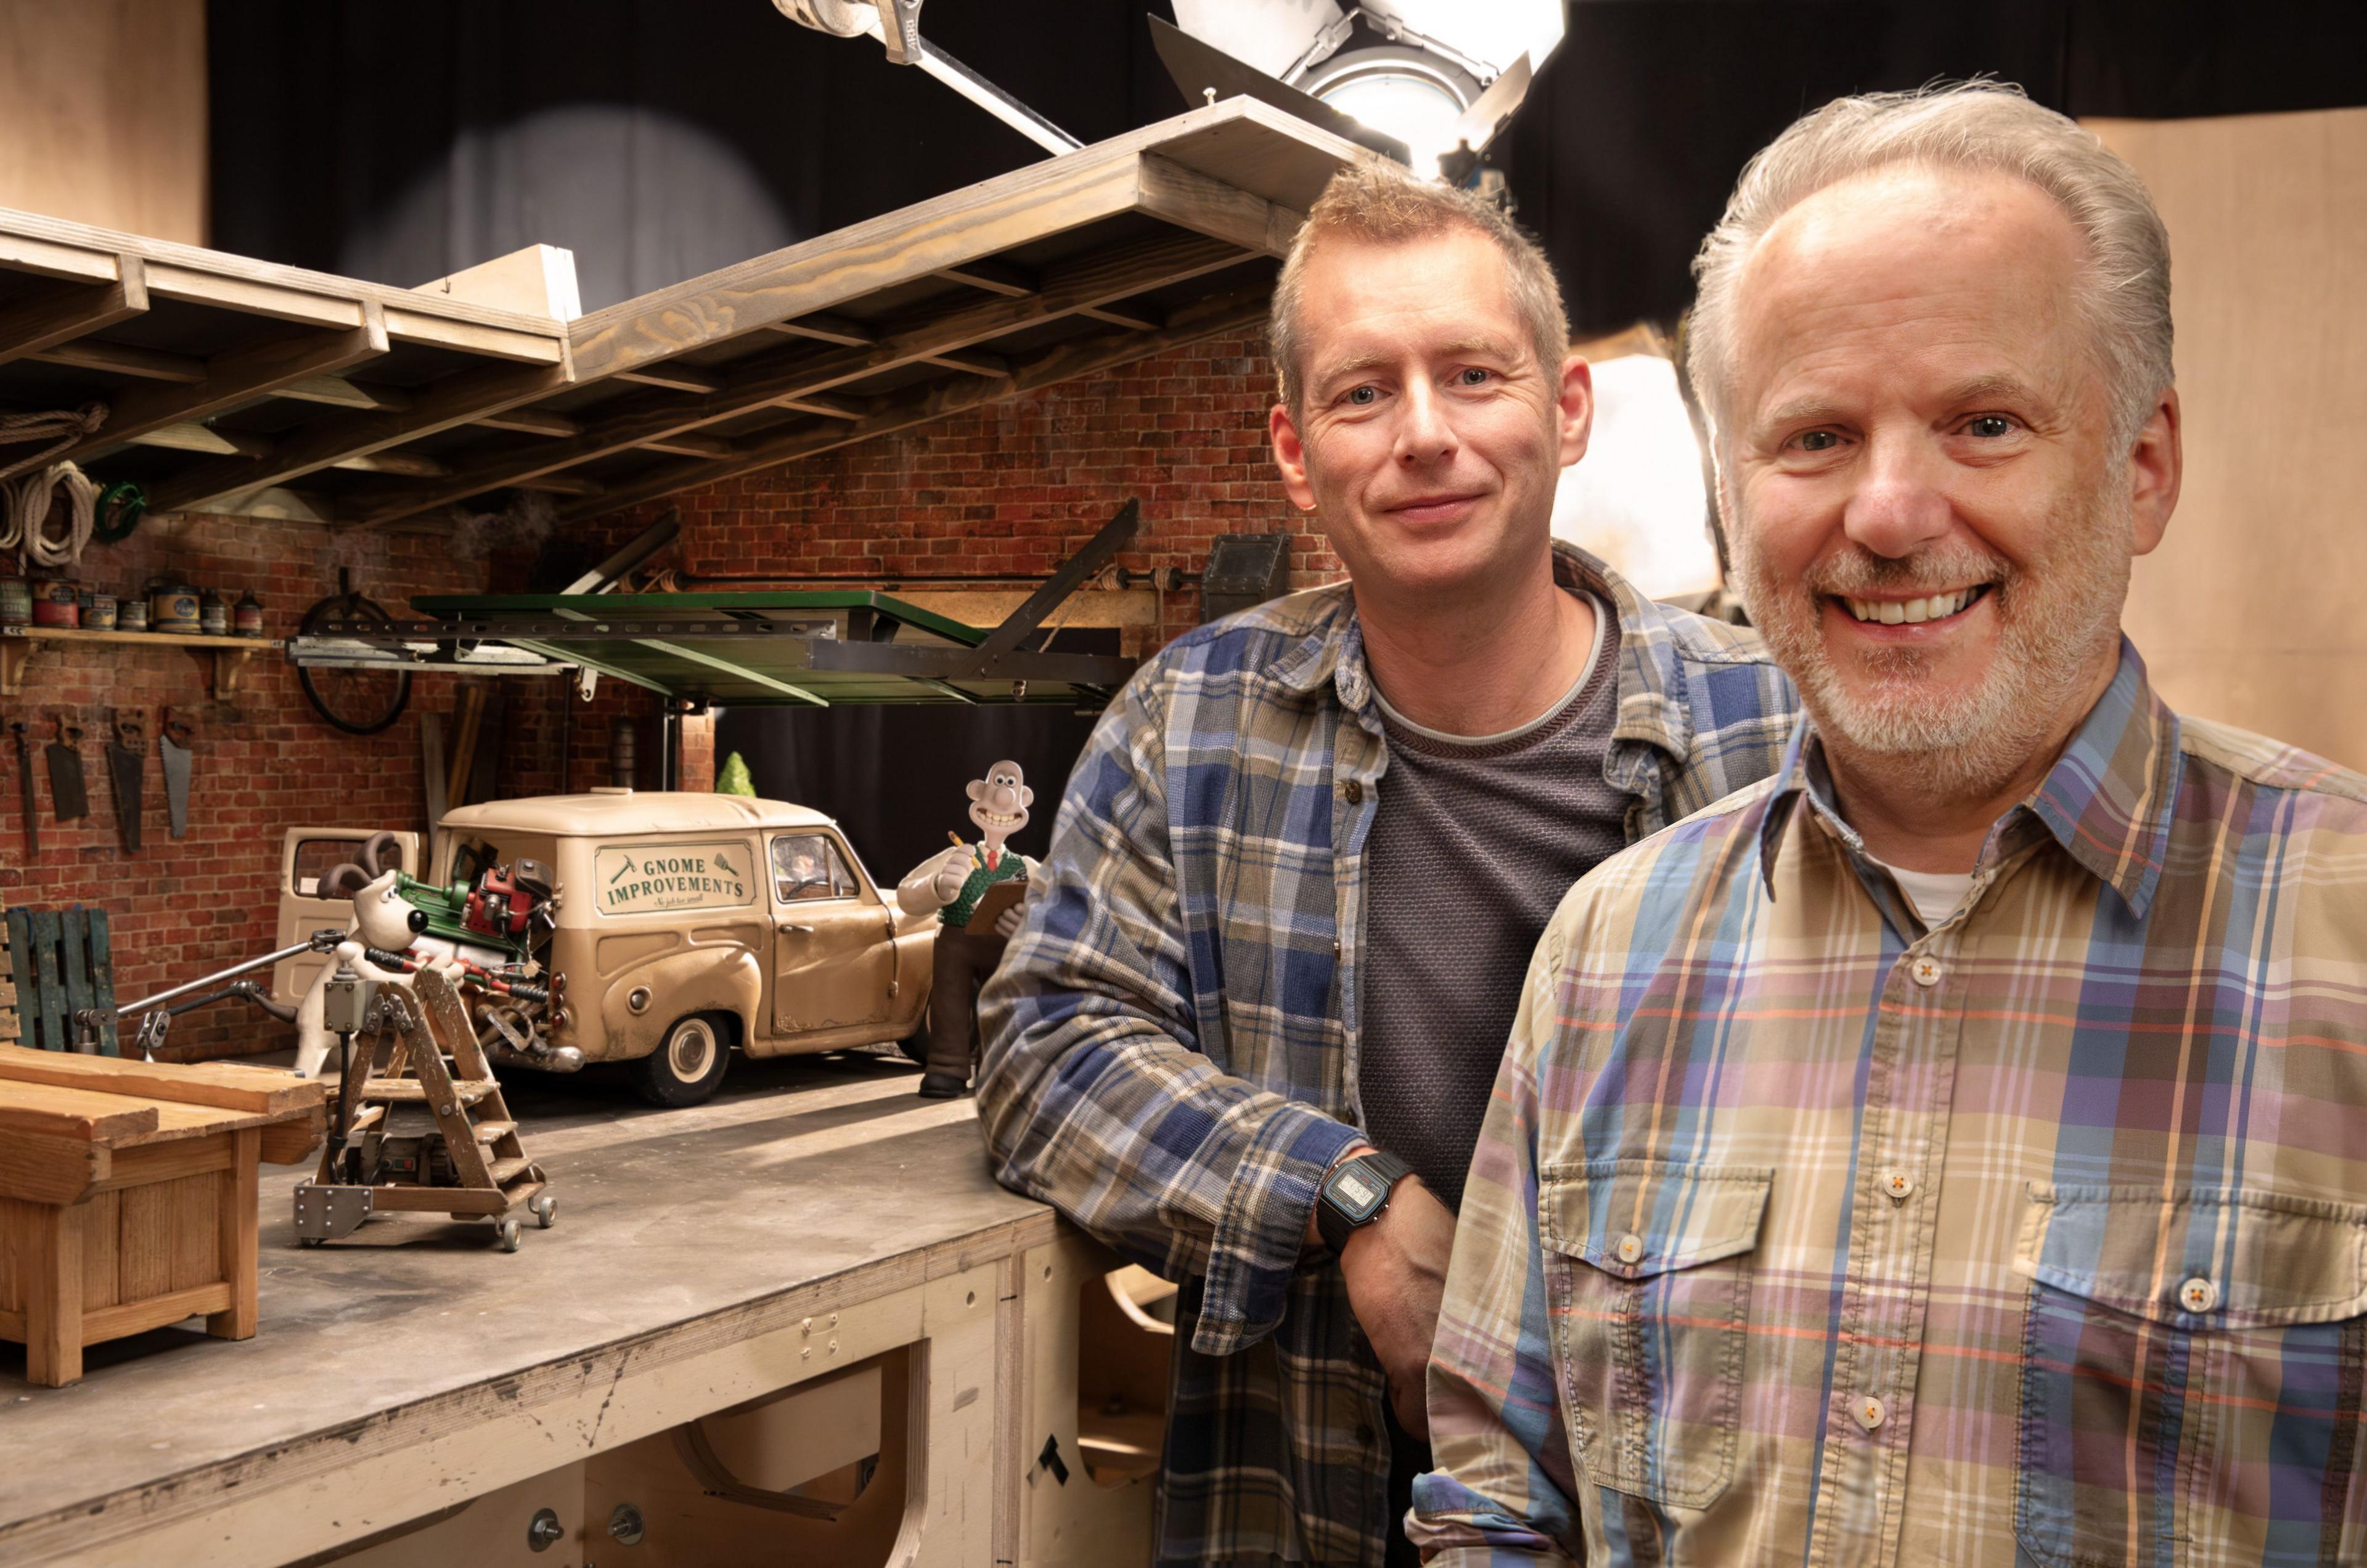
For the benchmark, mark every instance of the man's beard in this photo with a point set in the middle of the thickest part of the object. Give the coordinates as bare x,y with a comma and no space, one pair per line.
2054,621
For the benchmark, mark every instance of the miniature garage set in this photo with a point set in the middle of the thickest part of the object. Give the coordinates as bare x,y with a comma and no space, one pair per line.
520,744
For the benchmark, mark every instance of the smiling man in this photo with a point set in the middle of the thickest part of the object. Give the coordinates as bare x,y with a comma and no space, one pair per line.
1949,1150
1247,1032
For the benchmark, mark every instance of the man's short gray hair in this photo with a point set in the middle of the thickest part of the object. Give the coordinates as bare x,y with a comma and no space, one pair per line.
1381,203
1988,127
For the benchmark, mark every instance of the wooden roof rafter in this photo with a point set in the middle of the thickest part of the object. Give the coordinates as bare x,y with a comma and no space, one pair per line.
385,404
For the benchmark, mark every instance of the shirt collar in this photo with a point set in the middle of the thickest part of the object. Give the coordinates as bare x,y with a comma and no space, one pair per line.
1652,698
2108,801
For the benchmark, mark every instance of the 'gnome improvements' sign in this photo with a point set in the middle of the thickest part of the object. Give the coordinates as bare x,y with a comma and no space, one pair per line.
639,879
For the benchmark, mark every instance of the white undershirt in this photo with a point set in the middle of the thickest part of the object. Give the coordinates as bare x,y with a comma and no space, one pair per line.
1934,894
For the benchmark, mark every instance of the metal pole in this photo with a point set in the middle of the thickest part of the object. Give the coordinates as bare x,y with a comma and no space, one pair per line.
161,998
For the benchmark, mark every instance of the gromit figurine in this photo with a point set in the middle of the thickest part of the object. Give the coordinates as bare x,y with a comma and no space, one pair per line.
953,883
384,922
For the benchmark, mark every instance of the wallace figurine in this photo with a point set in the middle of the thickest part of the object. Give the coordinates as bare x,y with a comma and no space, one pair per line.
955,884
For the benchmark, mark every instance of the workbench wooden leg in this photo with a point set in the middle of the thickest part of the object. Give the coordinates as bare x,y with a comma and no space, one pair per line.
52,1265
242,1198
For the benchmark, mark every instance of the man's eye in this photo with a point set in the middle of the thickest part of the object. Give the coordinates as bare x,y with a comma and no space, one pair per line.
1819,441
1364,397
1471,375
1990,427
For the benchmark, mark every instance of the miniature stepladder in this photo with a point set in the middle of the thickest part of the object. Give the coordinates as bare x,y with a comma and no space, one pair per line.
420,1124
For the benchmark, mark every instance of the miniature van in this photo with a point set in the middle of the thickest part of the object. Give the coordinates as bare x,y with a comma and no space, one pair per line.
682,926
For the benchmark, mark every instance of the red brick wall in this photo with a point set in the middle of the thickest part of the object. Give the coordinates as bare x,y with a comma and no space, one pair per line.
263,763
1012,487
1007,490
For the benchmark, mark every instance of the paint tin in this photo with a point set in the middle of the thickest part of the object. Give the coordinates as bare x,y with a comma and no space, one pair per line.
57,604
213,616
172,608
99,615
15,602
246,617
131,615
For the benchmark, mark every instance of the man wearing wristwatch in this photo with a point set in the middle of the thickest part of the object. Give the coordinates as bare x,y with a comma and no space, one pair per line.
1247,1031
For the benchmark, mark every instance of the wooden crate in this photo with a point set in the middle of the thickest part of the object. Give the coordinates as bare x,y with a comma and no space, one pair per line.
128,1196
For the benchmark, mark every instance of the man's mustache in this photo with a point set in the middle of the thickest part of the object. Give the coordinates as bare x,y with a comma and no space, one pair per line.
1862,571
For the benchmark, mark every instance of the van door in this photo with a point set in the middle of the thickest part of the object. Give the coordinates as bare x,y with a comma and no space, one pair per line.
307,856
833,953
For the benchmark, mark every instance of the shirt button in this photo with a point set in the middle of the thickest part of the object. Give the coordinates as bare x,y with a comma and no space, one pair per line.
1927,971
1869,1412
1352,791
1899,1185
2198,1294
1631,1248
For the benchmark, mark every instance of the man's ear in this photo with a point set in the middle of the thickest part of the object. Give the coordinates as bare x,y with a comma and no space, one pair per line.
977,788
2157,467
1026,797
1290,457
1574,407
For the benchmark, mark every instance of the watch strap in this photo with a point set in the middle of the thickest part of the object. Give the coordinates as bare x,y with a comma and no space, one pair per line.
1332,1223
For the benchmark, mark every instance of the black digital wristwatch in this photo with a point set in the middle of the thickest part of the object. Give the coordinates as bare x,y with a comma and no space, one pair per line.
1354,1193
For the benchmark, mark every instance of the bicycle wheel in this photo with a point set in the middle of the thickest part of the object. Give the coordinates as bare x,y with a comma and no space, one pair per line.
359,701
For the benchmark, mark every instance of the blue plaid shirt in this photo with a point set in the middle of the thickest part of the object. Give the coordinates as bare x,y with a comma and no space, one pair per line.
1170,1053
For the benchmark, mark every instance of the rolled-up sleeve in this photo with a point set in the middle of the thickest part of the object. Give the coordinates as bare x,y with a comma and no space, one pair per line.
1095,1093
1503,1491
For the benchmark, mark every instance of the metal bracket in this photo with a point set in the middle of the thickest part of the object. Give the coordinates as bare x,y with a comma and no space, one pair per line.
324,1214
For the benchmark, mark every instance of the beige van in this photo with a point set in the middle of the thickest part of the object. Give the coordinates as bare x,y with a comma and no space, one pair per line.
682,925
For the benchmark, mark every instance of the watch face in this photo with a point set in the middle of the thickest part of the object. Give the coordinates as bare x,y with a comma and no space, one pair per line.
1356,1194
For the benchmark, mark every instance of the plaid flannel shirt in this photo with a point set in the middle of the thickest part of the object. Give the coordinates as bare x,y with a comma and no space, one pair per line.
1800,1233
1171,1050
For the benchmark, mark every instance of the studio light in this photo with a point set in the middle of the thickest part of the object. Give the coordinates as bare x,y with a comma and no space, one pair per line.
1427,73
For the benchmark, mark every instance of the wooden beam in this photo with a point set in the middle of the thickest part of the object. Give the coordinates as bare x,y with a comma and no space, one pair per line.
239,375
35,325
1190,200
1235,312
827,328
1120,274
828,405
678,377
191,436
976,361
994,276
415,464
123,359
338,392
1130,319
564,484
980,220
456,399
694,446
530,422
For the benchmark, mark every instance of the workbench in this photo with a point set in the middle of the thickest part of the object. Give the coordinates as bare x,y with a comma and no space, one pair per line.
817,1234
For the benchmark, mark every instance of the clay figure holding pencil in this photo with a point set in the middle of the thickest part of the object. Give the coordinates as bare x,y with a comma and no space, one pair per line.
976,890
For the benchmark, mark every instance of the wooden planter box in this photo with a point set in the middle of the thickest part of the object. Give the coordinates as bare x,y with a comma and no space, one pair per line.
127,1196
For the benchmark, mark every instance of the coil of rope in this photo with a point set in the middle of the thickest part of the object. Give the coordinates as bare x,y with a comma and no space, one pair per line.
60,427
30,502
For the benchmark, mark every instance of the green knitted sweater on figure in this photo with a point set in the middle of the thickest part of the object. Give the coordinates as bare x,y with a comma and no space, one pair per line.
1009,864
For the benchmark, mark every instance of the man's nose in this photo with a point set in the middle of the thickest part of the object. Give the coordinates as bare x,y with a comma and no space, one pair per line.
1425,435
1897,505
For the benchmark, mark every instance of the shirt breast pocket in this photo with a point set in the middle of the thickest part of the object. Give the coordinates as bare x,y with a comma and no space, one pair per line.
2191,1377
1648,1278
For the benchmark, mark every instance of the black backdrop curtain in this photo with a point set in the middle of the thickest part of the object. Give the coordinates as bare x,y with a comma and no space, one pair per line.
401,140
893,776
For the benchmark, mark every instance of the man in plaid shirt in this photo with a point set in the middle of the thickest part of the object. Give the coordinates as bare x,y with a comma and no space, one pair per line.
1948,1150
1181,1045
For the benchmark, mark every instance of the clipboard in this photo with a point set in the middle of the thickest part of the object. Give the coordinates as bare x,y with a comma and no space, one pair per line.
999,897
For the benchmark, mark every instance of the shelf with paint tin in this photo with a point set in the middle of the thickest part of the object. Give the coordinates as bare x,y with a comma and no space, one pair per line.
18,644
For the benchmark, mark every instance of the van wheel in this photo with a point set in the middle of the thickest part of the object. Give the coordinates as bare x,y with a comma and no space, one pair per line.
915,1046
688,1068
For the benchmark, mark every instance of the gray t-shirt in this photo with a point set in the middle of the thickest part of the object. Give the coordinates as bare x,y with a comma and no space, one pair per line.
1472,847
